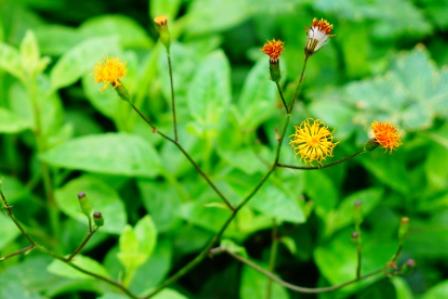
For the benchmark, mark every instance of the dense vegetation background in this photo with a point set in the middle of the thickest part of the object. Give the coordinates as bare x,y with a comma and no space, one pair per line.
387,62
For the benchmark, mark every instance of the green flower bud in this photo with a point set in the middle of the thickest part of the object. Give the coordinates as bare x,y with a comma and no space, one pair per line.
98,219
408,267
371,145
357,215
403,229
84,203
274,69
165,38
356,239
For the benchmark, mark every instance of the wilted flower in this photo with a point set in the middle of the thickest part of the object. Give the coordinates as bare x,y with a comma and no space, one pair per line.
109,72
273,49
162,24
385,134
318,35
313,141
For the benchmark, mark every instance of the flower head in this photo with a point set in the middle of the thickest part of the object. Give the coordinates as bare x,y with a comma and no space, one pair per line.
313,141
385,134
318,35
273,49
160,20
109,72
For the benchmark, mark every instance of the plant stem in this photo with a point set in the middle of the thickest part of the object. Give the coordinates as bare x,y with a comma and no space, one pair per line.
359,260
179,146
81,246
55,255
53,213
302,75
292,286
273,257
324,165
205,252
173,106
23,250
280,92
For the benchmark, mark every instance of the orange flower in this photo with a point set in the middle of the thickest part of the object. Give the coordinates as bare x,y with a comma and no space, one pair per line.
385,134
313,142
273,48
318,35
109,72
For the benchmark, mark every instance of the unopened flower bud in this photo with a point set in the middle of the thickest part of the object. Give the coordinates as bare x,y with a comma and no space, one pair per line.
403,229
98,219
84,203
408,267
162,25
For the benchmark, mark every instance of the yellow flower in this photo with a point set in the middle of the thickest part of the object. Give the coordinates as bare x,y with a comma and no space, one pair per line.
273,48
385,134
313,141
109,72
318,35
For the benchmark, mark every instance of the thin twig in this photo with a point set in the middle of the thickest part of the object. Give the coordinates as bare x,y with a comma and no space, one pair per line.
294,287
173,106
81,246
179,146
280,92
23,250
321,166
359,261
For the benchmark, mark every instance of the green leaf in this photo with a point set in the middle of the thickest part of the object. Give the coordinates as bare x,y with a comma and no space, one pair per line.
160,199
209,92
168,8
233,247
278,203
113,153
337,259
62,269
129,255
81,59
438,291
254,285
102,198
215,16
401,288
8,232
10,61
11,123
129,32
29,51
258,97
343,216
146,234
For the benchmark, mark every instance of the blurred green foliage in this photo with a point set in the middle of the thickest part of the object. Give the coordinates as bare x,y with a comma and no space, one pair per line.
387,62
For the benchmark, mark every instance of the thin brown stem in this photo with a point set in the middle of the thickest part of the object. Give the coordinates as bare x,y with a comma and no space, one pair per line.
173,106
179,146
23,250
81,246
321,166
295,287
205,252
